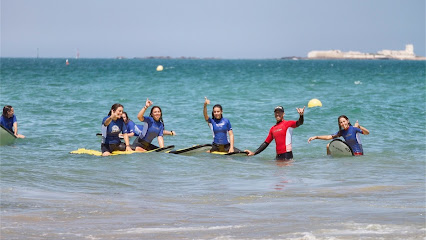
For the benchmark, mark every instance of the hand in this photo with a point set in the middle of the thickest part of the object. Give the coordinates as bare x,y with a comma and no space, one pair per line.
311,138
206,101
356,124
301,110
231,150
148,103
250,153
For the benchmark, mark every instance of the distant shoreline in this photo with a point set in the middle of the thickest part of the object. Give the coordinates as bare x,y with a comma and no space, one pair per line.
294,58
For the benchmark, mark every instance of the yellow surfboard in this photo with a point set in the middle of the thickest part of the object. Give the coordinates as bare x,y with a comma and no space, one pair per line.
98,153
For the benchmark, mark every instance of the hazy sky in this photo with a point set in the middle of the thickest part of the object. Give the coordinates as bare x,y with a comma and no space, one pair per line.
208,28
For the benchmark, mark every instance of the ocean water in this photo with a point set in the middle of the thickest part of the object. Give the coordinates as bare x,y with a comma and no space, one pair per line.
47,193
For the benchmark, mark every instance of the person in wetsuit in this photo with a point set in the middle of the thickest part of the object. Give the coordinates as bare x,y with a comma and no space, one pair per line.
112,126
282,132
350,133
221,128
155,128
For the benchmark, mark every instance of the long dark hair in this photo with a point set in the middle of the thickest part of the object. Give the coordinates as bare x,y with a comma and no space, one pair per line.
219,106
127,116
6,109
161,116
114,107
342,116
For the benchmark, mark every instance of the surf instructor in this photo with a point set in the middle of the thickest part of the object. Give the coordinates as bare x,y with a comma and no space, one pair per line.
282,133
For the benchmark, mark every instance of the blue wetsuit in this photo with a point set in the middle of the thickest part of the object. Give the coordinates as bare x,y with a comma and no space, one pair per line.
220,128
8,122
110,133
138,130
154,129
352,138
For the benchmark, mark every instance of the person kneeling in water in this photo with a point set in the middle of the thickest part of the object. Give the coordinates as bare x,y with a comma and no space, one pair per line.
348,132
221,127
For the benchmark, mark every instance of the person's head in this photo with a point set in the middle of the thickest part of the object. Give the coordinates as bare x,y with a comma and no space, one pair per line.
125,118
116,110
217,111
343,122
8,111
157,114
279,113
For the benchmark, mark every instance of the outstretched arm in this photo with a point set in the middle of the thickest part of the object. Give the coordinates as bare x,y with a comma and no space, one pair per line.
262,147
324,137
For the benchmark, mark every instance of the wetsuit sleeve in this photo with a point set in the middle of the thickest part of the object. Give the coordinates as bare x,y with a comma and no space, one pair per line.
2,122
124,128
300,121
103,120
130,127
270,137
229,125
160,133
336,135
358,130
262,147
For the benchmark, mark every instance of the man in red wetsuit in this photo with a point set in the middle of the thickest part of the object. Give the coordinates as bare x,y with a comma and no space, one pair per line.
282,133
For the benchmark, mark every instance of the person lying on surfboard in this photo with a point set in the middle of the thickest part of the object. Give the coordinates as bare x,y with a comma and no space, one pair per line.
8,120
155,128
348,132
282,132
221,128
112,125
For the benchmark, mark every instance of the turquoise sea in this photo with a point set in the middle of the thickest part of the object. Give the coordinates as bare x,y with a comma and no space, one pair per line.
47,193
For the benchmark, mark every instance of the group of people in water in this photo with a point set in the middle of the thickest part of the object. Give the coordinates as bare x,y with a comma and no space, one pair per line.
117,124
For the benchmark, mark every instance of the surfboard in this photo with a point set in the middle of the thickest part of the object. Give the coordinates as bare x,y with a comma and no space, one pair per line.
233,153
339,148
193,149
6,136
98,153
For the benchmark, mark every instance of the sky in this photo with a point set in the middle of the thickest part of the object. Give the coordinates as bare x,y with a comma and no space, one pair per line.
231,29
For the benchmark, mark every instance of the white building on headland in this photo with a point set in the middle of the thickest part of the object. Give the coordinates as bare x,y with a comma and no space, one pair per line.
407,54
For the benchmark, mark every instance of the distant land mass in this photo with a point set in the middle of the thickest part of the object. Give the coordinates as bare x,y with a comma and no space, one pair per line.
407,54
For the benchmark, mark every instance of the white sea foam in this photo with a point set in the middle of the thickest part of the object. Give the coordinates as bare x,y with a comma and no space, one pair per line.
176,229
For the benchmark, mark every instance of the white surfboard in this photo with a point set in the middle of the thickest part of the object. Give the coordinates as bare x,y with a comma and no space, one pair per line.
339,148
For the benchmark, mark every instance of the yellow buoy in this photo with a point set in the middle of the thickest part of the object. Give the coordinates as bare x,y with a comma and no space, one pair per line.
160,68
314,103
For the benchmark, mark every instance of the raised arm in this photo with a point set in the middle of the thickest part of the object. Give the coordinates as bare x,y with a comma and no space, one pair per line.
148,103
301,111
206,102
364,130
